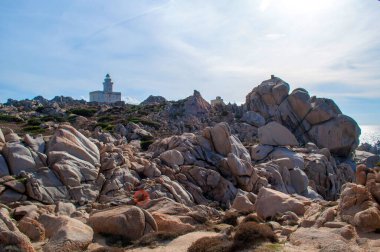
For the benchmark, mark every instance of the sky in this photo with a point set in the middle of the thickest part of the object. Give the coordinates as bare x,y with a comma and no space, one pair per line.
171,47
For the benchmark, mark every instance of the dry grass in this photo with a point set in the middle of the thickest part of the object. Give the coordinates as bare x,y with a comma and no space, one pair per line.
251,235
230,217
156,238
211,244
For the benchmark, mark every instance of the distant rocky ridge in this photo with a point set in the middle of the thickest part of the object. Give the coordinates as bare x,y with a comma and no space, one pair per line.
283,160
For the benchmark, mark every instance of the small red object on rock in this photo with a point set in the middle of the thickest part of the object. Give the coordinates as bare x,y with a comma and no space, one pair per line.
141,197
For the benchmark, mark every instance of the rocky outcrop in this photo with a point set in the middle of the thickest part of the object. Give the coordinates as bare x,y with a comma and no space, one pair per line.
153,100
318,120
193,105
358,208
76,160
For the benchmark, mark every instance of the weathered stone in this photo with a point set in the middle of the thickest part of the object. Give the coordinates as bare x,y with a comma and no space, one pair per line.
11,239
69,140
172,157
4,171
44,186
128,221
65,234
340,135
299,100
2,139
19,158
244,202
259,152
357,207
168,223
36,144
220,134
64,208
32,228
265,206
322,110
253,118
277,135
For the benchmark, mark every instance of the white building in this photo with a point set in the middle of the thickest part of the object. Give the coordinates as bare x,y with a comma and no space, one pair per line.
217,101
107,95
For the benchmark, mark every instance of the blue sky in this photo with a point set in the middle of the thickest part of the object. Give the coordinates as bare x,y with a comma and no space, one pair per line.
171,47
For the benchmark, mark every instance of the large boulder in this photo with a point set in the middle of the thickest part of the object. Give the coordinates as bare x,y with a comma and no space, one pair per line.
220,135
68,139
65,233
253,118
172,157
277,135
43,185
19,158
129,222
340,135
76,160
4,171
270,202
206,182
322,110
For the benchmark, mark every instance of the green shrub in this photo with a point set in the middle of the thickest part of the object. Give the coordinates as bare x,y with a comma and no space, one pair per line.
34,129
34,122
230,218
53,118
40,109
378,164
10,118
225,113
105,119
105,126
145,144
83,112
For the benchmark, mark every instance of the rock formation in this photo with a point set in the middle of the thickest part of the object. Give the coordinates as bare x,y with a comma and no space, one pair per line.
131,176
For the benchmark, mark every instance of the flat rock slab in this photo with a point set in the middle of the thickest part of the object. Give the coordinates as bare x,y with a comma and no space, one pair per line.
181,244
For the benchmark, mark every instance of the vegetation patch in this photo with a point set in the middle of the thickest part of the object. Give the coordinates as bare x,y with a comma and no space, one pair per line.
40,109
105,126
33,129
106,119
86,112
54,118
156,238
211,244
145,144
251,235
10,118
230,218
34,122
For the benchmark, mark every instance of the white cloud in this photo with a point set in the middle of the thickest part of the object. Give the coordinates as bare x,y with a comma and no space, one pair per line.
130,100
172,47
